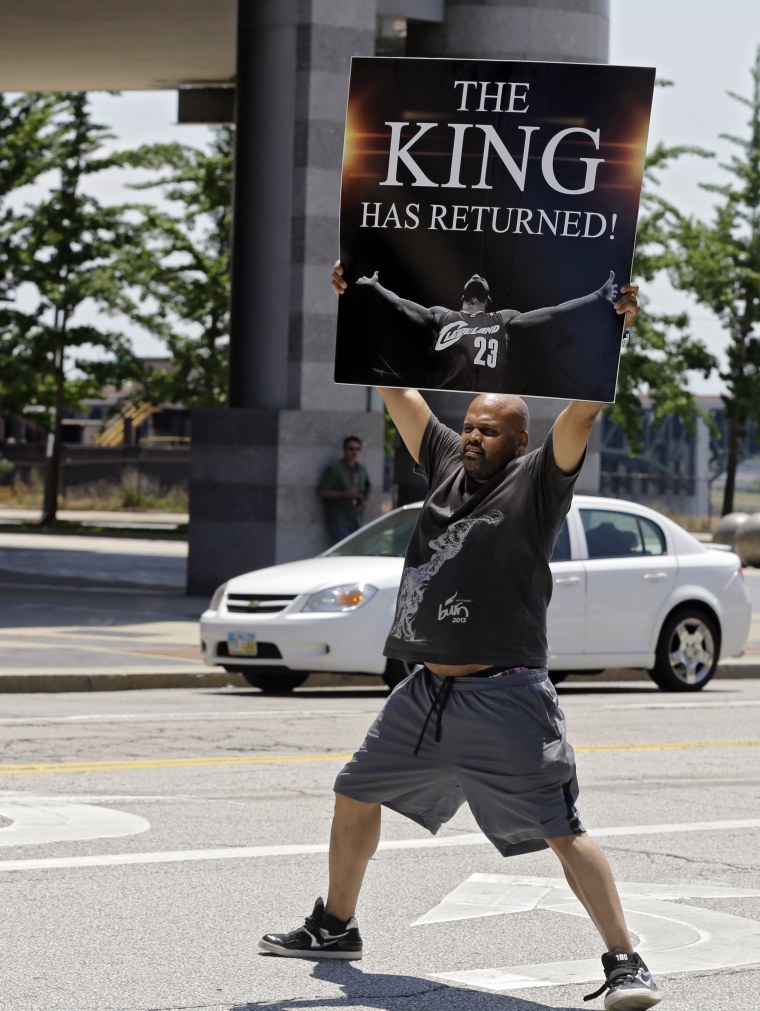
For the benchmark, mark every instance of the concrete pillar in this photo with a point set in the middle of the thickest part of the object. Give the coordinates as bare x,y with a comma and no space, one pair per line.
252,480
554,30
264,122
254,466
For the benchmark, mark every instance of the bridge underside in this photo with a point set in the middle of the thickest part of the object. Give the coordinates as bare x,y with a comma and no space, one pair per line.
46,45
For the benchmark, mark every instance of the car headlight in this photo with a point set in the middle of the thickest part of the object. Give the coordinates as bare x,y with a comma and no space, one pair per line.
217,598
347,597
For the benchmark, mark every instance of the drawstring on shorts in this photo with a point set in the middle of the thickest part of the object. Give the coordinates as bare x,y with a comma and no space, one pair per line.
443,695
439,703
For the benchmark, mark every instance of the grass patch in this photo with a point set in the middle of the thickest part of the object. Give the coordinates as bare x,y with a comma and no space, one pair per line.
135,491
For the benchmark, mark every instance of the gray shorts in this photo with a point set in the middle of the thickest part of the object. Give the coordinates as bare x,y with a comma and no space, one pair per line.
502,749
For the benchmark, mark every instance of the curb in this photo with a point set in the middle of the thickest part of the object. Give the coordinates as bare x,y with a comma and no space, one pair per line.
140,680
115,682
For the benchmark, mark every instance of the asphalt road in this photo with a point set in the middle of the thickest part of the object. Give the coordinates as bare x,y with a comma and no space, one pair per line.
152,837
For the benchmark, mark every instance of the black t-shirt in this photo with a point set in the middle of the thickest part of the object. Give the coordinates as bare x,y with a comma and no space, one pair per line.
476,581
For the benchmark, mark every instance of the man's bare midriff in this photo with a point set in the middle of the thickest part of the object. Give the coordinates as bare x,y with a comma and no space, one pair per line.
445,670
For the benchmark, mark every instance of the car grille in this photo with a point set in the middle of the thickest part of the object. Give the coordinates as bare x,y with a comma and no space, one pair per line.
262,603
264,651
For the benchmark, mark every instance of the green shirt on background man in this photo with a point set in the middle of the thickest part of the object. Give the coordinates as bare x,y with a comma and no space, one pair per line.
344,488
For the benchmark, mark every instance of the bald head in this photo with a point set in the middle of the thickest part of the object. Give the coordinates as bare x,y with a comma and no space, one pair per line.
507,405
494,433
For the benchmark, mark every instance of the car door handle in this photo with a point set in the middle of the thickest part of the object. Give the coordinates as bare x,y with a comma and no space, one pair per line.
655,577
567,580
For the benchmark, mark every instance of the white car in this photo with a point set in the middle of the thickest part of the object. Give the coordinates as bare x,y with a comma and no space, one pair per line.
631,589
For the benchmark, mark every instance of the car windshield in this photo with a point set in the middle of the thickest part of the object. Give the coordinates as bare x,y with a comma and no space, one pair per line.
387,536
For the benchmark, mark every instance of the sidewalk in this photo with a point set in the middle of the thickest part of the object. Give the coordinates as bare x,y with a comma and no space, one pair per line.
139,520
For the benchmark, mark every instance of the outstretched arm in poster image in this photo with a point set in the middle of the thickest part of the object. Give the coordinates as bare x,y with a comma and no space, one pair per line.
408,410
410,413
475,299
417,313
516,322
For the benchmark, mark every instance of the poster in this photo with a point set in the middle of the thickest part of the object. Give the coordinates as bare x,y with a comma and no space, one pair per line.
488,219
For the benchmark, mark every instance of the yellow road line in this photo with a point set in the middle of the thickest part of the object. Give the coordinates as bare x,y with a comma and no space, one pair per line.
669,746
167,763
127,765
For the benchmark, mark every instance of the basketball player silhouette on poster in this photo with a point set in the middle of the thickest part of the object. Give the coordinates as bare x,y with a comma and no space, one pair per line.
469,346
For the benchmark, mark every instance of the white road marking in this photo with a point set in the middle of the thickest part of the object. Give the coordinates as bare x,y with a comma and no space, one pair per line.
673,937
255,852
94,798
36,820
179,717
681,705
248,714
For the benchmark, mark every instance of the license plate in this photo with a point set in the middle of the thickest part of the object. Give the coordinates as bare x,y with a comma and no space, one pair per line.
242,644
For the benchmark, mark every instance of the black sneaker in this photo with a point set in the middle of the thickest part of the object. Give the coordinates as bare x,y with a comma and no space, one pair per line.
629,983
321,936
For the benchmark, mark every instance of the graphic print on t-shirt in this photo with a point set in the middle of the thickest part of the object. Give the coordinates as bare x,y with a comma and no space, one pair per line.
415,581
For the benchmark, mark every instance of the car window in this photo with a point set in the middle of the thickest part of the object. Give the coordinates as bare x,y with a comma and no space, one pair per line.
620,535
388,536
561,551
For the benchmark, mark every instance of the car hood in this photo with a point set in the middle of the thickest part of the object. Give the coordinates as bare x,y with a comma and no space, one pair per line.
313,574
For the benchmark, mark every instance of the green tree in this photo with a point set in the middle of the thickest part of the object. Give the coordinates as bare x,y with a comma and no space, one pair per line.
29,139
718,262
28,148
662,350
73,256
184,274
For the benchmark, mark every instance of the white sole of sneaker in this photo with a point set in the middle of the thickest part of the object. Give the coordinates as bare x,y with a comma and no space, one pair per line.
632,1001
316,956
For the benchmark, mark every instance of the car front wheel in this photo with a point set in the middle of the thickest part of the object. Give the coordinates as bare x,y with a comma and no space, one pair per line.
687,651
271,680
397,671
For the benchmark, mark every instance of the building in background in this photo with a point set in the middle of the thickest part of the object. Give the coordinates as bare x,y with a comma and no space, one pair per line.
678,470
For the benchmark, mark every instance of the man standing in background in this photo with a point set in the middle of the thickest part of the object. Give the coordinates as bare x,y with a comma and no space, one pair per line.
344,488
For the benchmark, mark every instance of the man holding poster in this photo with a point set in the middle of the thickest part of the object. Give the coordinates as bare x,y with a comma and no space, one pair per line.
472,609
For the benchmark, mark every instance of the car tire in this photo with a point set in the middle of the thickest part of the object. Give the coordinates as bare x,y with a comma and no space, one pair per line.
271,680
397,671
687,651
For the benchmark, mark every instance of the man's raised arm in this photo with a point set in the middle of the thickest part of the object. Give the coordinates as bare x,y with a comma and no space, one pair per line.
410,414
572,428
408,411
